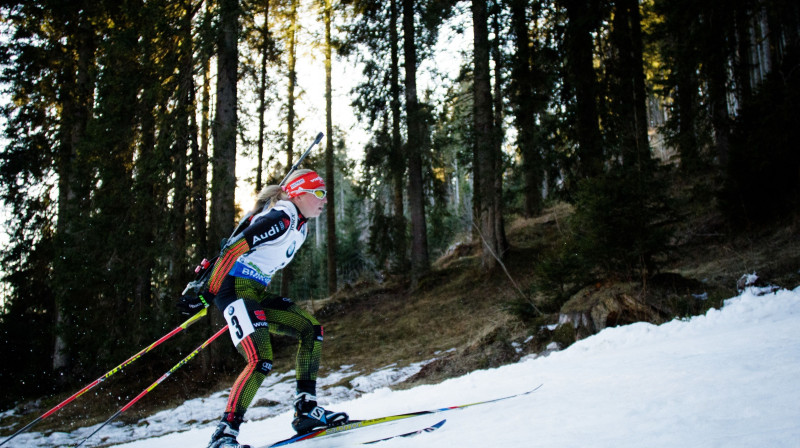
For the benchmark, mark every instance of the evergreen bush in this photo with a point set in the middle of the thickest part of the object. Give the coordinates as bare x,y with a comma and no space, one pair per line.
620,223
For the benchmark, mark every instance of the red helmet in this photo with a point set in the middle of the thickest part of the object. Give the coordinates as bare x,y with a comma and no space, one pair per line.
307,182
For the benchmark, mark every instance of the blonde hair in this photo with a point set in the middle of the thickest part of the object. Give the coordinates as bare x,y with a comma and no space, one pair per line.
271,194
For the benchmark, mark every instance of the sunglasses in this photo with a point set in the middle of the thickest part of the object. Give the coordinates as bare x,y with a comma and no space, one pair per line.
320,194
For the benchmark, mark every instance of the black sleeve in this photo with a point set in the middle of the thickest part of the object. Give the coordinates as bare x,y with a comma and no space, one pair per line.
267,228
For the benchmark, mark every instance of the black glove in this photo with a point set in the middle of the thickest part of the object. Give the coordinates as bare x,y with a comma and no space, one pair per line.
190,304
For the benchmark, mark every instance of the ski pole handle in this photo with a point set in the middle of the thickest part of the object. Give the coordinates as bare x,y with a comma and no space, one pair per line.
94,383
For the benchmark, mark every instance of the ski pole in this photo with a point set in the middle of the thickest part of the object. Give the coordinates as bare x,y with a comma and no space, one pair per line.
245,221
156,383
294,167
130,360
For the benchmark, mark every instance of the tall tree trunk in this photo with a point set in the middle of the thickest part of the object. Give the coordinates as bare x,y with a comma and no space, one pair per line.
500,228
200,166
420,263
199,189
783,33
145,205
197,220
485,155
330,175
223,130
397,163
742,64
127,89
581,15
291,65
524,107
627,32
156,155
716,69
762,38
681,45
262,93
77,102
686,102
223,186
184,138
286,273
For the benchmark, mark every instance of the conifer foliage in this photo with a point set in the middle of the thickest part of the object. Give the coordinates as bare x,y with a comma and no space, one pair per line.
99,128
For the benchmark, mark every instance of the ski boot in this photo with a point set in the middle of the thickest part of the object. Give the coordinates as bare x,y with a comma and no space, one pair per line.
225,434
309,417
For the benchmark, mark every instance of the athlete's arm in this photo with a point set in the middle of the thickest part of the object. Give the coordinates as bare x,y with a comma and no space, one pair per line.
269,227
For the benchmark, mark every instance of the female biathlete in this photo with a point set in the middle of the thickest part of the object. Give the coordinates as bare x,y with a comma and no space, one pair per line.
238,284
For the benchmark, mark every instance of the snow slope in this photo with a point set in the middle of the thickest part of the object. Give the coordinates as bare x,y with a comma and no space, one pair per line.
730,378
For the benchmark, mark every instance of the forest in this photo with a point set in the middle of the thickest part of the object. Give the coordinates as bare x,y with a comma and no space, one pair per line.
123,123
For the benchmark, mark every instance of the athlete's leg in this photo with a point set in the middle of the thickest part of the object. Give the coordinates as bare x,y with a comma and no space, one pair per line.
257,351
288,319
250,333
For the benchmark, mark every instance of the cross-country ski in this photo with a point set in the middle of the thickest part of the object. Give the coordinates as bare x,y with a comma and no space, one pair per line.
360,432
359,424
431,428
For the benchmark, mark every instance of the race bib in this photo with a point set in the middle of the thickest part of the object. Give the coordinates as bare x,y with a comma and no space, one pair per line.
239,324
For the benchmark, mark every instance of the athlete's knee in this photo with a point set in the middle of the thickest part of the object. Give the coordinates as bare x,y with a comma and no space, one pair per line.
311,334
258,359
263,366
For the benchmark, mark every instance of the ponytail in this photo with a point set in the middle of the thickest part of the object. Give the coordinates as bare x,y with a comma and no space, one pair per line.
271,194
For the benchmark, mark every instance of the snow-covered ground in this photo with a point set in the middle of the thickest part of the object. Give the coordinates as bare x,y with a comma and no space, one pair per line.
730,378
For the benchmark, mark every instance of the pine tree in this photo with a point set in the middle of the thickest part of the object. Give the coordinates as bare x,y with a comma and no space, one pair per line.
330,217
264,49
525,104
486,159
223,183
580,76
291,53
420,264
379,104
